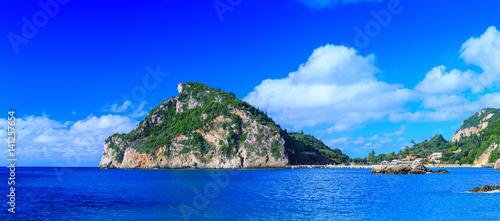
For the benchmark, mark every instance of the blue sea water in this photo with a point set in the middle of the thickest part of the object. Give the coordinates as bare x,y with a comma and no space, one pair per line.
265,194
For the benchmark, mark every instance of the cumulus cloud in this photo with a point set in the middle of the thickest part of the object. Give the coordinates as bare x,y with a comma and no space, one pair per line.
457,94
42,140
437,81
442,101
484,51
336,85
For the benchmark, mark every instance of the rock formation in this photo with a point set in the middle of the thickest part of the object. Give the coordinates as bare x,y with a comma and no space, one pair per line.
497,165
200,128
469,130
441,171
415,167
482,160
485,189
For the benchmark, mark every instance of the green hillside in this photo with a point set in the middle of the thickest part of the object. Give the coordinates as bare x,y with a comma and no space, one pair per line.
464,151
187,120
308,143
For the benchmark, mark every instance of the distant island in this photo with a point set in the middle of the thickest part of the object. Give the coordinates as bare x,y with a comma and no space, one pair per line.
204,127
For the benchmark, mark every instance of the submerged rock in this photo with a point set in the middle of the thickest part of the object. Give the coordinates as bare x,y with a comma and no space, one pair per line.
485,189
441,171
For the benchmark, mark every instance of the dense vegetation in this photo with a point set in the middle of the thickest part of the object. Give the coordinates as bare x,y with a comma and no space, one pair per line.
323,153
477,118
464,151
147,137
210,104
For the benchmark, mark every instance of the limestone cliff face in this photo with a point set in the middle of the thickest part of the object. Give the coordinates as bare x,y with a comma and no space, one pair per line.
200,128
482,161
473,129
497,165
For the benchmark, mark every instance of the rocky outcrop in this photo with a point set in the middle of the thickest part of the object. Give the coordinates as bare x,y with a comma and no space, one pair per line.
485,189
497,165
212,132
441,171
415,167
465,132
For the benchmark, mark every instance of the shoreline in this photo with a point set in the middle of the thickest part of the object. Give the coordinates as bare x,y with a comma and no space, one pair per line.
371,166
330,166
455,166
307,167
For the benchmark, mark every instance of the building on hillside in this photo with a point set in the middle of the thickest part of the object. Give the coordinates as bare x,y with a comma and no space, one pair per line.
411,157
435,156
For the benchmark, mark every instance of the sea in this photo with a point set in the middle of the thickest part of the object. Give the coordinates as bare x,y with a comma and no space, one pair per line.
250,194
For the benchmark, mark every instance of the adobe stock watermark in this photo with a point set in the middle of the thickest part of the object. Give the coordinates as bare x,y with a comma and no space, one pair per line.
381,19
201,199
223,6
48,9
149,82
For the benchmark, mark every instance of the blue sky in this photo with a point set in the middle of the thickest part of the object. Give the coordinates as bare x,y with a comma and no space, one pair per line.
83,70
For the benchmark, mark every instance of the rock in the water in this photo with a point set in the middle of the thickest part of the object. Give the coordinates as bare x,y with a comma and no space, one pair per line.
485,189
441,171
497,165
416,167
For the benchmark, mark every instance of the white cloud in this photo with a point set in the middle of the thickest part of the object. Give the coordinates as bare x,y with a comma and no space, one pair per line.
387,140
490,100
42,140
336,85
438,81
457,94
119,109
484,51
133,110
332,142
442,101
397,133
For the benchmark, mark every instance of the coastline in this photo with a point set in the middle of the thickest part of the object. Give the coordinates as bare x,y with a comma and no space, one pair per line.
455,166
330,166
371,166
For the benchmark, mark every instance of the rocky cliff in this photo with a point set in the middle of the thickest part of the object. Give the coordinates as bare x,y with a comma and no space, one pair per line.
483,159
476,123
497,165
200,128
